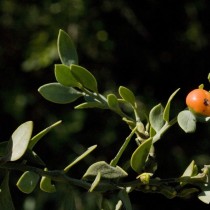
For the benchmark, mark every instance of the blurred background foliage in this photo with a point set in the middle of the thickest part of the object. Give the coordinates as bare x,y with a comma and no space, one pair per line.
152,47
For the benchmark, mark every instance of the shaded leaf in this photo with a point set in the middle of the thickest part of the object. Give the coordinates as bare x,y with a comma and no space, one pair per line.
27,182
46,184
64,76
19,141
58,93
66,49
187,121
127,95
84,77
140,155
107,171
41,134
167,108
156,117
124,197
113,102
5,196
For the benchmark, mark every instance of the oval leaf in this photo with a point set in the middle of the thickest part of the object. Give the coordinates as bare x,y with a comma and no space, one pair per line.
64,76
66,49
113,102
156,117
140,155
106,171
83,76
27,182
19,141
187,121
127,95
58,93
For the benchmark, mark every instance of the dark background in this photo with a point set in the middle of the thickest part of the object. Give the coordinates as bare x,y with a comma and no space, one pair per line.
152,47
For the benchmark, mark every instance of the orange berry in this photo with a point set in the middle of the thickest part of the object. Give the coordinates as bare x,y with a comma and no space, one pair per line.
198,101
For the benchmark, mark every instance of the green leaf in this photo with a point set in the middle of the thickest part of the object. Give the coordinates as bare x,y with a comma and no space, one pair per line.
84,77
5,196
58,93
90,105
3,148
66,49
64,76
124,197
83,155
127,95
113,102
33,158
46,184
41,134
140,155
19,141
107,171
27,182
187,121
167,108
156,117
95,182
190,170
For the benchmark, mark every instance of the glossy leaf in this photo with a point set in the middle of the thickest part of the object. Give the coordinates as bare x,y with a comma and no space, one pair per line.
140,155
27,182
84,77
5,196
107,171
41,134
19,141
127,95
168,105
58,93
156,117
46,185
66,49
83,155
124,197
64,76
187,121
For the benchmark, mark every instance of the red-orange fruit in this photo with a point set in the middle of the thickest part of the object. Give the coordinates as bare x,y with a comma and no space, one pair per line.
198,100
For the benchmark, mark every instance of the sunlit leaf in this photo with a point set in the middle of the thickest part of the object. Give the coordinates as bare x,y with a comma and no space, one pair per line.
83,155
41,134
140,155
107,171
64,76
127,95
84,77
113,102
87,105
66,49
27,182
58,93
156,117
187,121
95,182
19,141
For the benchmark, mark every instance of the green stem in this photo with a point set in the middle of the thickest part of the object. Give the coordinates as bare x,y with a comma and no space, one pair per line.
122,149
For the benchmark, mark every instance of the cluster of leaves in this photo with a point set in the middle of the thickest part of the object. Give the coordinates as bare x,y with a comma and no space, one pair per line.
74,82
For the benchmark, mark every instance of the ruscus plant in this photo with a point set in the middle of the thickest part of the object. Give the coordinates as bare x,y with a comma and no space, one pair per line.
75,82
